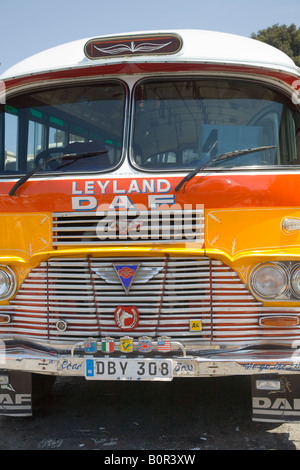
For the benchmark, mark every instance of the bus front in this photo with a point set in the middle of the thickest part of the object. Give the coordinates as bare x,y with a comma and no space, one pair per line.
150,218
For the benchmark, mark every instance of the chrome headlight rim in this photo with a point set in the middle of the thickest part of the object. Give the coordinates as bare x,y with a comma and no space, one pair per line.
279,269
11,283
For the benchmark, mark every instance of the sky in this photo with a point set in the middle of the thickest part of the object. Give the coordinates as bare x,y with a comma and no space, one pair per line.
30,26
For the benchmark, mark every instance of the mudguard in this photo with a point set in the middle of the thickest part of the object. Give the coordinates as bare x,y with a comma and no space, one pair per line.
16,394
276,398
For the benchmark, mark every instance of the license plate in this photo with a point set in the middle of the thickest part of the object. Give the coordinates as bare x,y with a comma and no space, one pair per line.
128,369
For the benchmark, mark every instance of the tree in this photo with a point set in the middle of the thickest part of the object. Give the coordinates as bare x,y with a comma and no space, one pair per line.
285,38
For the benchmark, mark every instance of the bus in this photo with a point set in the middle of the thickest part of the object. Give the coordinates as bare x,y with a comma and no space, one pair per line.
150,218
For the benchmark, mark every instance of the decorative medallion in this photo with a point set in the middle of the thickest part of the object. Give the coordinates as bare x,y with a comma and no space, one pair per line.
127,318
107,345
126,344
90,346
145,344
164,344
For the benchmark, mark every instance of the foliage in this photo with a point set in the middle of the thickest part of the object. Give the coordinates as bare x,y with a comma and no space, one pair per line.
286,38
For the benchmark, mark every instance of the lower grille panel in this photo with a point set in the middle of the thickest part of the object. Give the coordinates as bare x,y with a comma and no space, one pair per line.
85,293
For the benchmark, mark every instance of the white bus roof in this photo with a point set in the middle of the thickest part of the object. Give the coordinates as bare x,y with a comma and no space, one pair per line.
198,46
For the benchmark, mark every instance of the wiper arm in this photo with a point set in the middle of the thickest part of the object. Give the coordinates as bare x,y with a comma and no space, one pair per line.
66,156
223,156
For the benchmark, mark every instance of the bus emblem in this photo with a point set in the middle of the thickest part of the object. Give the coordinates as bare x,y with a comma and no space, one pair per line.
126,274
127,318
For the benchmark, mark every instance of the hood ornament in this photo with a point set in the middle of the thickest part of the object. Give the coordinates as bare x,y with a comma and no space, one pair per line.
127,274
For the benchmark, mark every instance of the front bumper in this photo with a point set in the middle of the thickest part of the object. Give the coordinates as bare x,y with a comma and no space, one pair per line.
274,372
71,360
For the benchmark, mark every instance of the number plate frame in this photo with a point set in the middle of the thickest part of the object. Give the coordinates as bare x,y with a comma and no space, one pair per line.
108,368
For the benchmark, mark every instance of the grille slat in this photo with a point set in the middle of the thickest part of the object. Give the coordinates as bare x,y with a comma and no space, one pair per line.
182,290
174,226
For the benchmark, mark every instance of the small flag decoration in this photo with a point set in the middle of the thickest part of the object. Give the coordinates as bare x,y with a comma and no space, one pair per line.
126,344
145,345
90,346
107,345
164,344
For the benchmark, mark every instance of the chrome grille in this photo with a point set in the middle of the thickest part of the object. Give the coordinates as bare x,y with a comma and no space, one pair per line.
94,228
182,290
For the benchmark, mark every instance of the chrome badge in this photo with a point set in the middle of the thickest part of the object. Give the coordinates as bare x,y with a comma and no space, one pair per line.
127,274
127,318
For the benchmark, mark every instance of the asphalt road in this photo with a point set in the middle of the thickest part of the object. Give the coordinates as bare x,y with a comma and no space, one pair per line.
186,414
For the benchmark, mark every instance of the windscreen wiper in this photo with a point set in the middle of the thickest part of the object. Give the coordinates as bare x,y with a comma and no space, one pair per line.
65,156
223,156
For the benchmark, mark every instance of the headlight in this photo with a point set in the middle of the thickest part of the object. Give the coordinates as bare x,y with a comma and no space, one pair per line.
269,280
296,282
7,283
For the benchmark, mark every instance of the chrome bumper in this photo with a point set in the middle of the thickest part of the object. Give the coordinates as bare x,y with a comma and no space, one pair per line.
70,360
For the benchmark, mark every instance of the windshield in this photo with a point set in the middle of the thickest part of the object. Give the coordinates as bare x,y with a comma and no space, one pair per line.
181,124
64,120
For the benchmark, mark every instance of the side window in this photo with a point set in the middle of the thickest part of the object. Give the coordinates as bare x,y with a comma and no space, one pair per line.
57,138
11,123
189,157
161,159
36,142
